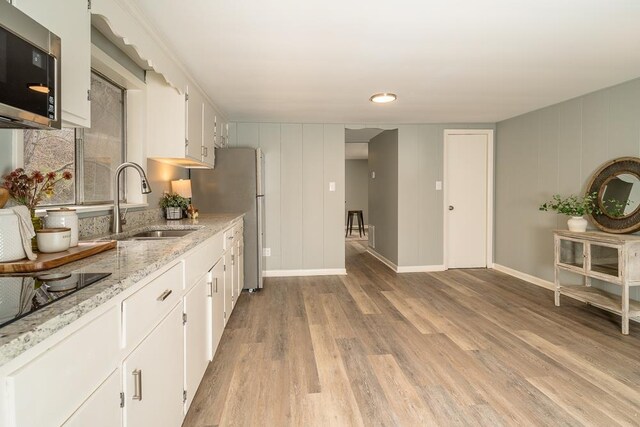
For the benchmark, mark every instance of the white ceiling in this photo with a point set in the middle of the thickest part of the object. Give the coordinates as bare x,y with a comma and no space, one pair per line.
448,60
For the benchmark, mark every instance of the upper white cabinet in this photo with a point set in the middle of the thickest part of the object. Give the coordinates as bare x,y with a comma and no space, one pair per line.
194,140
166,129
209,135
180,127
72,23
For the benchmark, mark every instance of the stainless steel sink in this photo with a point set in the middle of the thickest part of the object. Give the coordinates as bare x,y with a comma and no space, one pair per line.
159,235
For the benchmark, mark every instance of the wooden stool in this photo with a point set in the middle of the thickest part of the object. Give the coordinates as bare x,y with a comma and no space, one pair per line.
360,217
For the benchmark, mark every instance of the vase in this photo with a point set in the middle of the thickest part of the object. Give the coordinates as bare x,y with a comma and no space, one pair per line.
173,213
577,223
37,225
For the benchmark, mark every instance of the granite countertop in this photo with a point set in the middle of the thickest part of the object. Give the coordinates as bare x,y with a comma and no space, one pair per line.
129,263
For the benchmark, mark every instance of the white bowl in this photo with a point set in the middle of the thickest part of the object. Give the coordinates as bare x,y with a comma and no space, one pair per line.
53,239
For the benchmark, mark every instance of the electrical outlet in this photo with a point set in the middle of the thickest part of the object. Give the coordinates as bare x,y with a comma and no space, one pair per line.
332,186
438,185
373,174
266,252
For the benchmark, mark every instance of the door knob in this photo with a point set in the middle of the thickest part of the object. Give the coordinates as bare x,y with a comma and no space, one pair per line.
450,207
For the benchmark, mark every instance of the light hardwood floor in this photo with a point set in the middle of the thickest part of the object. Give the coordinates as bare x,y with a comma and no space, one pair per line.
462,347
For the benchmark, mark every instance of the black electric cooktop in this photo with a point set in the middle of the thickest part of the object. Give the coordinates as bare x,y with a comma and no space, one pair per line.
21,295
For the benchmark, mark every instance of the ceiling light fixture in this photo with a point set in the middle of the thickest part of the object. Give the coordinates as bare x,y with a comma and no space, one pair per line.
383,98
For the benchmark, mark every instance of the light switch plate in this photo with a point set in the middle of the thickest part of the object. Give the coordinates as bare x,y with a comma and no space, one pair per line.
438,185
266,251
332,186
373,174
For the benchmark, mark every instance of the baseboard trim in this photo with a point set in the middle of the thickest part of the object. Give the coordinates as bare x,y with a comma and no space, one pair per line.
317,272
405,268
524,276
382,259
420,268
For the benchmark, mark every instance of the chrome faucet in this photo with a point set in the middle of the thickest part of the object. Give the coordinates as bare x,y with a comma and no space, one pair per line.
118,220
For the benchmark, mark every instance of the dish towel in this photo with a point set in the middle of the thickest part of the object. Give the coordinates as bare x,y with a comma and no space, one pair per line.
26,229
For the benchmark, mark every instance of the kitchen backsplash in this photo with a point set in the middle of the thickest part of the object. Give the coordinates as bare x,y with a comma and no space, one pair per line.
101,225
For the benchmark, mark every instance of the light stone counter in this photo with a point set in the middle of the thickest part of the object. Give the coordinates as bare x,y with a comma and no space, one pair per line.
129,263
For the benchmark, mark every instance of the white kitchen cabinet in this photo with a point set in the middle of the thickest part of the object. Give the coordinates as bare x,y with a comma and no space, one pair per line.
72,23
209,135
165,120
142,311
194,106
240,265
154,376
73,368
197,334
228,284
102,409
217,305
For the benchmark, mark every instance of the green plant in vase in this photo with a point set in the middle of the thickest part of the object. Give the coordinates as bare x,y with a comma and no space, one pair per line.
174,205
575,207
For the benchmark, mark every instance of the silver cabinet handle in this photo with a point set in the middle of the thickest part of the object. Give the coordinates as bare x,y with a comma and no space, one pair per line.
216,281
230,237
450,208
137,384
163,296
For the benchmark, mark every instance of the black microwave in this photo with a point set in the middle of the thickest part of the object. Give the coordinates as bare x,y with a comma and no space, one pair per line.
29,72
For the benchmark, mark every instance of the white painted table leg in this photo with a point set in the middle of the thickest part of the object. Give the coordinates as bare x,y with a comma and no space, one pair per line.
625,309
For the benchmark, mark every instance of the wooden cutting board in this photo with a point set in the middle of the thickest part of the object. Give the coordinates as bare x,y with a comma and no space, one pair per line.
47,261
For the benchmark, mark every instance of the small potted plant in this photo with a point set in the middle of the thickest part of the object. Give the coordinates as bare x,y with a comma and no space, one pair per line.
575,207
173,204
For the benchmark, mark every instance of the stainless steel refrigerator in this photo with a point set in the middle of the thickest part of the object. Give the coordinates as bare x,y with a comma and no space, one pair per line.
236,185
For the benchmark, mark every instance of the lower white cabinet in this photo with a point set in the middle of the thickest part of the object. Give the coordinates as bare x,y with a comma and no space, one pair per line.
197,335
62,378
238,270
154,376
217,305
102,409
140,362
228,284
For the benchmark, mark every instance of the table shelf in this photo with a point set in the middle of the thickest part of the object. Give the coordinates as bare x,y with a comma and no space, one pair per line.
594,255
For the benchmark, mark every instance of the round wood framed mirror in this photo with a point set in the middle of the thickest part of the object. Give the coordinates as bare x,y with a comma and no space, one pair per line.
617,185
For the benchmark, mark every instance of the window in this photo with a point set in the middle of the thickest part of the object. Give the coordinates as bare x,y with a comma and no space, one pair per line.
93,154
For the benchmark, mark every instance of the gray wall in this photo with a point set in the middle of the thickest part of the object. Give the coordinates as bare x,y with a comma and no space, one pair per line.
383,193
160,176
304,220
420,159
420,221
357,187
555,150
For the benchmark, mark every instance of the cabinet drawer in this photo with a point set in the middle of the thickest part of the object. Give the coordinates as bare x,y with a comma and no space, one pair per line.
65,375
142,311
201,261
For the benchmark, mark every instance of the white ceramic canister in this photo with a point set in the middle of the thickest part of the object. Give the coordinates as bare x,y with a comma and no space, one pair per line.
63,217
11,248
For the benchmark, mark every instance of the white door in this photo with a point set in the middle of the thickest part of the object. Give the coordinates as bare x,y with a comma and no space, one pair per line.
466,207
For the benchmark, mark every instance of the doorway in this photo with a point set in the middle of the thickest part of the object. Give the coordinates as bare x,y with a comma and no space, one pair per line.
468,198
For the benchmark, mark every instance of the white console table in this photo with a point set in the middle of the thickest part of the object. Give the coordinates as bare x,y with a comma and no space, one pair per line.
613,258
